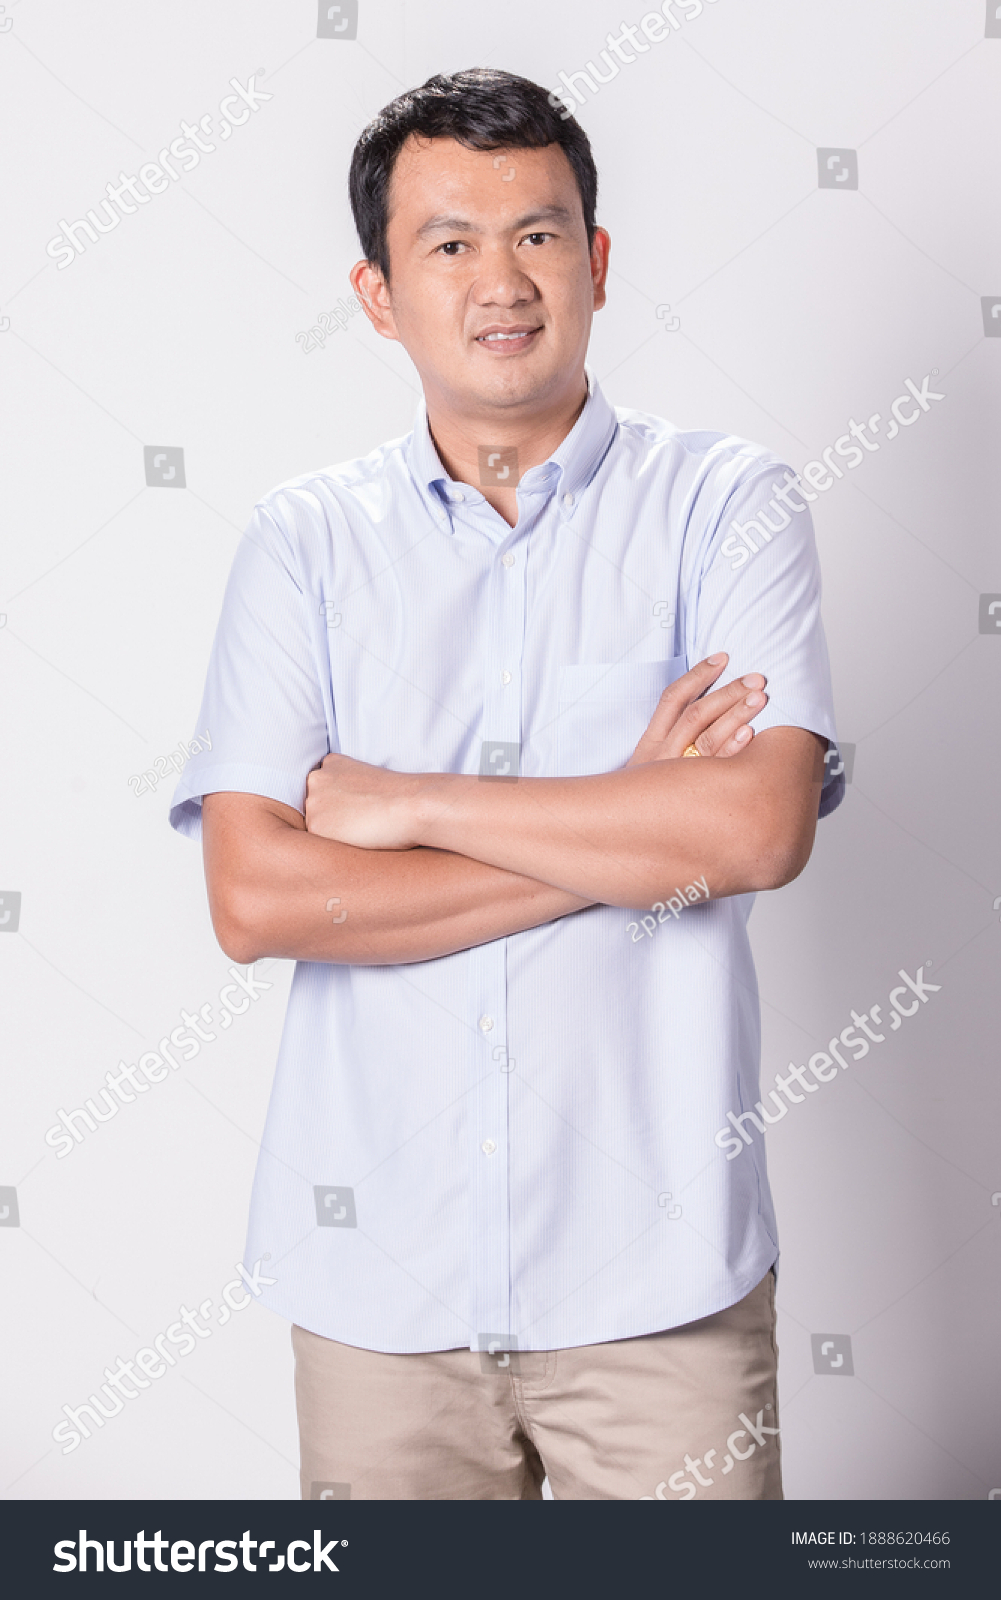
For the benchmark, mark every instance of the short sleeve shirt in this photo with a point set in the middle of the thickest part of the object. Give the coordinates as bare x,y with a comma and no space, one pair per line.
524,1140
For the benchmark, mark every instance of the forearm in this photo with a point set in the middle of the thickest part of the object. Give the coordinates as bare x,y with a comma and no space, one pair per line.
388,906
626,838
622,837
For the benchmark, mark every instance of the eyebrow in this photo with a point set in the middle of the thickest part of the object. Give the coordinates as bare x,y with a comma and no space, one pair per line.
449,224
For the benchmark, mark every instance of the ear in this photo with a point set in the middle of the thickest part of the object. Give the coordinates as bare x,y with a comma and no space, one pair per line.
600,247
372,290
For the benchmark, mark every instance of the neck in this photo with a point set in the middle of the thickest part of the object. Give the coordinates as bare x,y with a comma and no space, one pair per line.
459,438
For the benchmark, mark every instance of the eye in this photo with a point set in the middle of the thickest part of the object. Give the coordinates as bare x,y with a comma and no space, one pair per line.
539,238
450,247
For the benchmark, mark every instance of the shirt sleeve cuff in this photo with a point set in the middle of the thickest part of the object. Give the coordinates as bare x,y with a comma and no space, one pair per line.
272,784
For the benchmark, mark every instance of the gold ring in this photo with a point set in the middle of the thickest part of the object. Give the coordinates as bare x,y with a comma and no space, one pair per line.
691,751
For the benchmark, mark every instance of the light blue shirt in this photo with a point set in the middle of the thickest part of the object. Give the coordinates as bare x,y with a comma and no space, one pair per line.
515,1142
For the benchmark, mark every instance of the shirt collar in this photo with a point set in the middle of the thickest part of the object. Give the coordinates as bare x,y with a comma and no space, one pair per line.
567,472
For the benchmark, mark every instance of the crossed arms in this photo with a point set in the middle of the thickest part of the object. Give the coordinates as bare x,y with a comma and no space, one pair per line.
389,867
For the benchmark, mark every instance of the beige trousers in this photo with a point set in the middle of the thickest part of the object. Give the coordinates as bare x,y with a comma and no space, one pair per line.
690,1413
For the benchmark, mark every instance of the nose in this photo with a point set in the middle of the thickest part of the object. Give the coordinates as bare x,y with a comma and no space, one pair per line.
502,282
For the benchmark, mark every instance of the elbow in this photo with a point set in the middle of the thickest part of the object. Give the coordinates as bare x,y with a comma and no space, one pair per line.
779,812
239,944
237,936
783,862
778,874
240,949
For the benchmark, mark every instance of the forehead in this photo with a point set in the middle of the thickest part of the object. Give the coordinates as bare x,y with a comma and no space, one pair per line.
440,177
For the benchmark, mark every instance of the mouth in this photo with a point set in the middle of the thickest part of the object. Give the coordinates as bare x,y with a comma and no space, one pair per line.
505,341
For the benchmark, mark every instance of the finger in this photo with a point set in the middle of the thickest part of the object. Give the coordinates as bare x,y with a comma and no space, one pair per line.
683,714
682,692
712,706
740,741
722,734
743,697
722,729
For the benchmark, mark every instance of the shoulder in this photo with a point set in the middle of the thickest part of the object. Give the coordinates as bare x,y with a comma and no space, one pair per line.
702,459
315,499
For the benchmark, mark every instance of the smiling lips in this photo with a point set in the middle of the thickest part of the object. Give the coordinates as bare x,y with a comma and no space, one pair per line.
507,340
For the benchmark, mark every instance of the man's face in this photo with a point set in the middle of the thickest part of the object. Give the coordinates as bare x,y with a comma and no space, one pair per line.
492,287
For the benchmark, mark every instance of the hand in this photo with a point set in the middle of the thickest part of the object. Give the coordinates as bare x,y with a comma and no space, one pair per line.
359,804
717,724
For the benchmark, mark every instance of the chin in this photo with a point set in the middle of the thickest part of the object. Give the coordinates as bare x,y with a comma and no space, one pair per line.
521,385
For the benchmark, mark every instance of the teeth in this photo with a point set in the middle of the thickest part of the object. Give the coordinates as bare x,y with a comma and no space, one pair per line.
488,338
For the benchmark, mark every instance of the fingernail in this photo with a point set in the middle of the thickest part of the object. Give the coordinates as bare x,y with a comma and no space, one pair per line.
718,659
755,699
742,735
754,680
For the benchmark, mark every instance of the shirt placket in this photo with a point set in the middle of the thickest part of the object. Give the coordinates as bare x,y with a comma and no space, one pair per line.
501,739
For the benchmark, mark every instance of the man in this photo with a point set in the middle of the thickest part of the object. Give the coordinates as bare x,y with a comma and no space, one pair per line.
451,697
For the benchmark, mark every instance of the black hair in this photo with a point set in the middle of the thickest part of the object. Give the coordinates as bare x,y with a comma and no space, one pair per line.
481,108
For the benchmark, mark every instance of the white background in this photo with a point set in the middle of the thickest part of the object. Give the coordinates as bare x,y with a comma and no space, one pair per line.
799,308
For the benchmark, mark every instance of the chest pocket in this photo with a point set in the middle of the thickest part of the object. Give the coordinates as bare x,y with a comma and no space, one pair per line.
603,709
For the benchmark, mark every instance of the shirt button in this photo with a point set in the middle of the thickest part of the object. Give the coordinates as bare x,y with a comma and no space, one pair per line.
508,559
505,676
486,1023
457,496
568,499
488,1147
